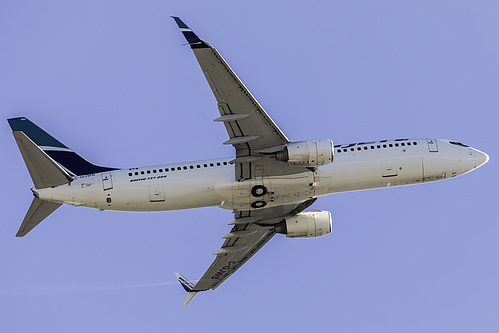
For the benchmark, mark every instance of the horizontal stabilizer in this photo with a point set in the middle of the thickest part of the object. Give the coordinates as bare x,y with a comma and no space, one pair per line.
37,212
44,171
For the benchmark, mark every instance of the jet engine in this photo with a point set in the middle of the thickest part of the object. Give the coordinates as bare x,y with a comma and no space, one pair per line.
311,153
306,224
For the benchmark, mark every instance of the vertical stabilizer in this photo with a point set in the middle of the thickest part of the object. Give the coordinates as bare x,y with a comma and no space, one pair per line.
54,148
37,212
44,171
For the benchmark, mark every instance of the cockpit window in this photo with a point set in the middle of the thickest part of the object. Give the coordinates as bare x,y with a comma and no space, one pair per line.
457,144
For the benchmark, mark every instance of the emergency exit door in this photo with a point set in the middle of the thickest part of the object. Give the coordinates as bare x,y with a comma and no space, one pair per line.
107,181
432,145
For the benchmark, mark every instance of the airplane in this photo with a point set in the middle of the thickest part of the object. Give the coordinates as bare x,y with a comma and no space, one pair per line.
268,184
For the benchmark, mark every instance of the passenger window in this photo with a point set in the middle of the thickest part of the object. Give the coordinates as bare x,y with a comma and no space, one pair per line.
218,163
205,165
142,172
192,167
351,149
339,150
225,163
185,168
198,166
365,147
211,164
408,143
136,173
154,171
403,144
390,145
358,148
129,173
384,146
415,143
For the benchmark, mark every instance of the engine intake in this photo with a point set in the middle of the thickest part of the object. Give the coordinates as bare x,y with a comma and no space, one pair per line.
306,224
311,153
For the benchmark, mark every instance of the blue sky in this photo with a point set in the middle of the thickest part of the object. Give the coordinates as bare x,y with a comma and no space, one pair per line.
111,80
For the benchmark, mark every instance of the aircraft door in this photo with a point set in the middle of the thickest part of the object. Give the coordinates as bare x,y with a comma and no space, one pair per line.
107,181
432,145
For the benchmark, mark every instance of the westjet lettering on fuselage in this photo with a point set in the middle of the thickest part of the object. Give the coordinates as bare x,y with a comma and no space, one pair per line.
268,185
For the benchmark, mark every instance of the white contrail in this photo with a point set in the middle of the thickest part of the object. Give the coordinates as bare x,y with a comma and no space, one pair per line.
64,290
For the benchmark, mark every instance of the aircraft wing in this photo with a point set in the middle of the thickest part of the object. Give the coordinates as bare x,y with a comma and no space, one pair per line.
250,129
256,138
251,231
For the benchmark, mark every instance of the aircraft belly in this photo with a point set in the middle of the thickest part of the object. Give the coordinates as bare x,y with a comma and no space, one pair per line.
144,195
377,173
266,191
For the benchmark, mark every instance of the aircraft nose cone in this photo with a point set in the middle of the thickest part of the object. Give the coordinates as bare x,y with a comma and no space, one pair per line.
480,158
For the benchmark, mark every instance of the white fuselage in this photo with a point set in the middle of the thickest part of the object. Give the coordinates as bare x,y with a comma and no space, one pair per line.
207,183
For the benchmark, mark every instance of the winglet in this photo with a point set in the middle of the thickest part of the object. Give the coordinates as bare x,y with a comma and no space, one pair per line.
188,286
194,41
190,295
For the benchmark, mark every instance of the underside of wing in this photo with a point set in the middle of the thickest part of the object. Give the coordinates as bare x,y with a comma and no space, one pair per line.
251,130
251,231
246,121
240,245
261,153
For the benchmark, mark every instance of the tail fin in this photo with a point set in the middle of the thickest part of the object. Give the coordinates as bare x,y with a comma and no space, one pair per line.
37,212
50,163
63,155
44,171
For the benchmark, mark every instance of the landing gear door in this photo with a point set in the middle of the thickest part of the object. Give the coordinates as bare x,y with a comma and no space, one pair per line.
107,181
432,145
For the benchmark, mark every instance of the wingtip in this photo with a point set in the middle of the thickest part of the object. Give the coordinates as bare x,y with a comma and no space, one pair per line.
190,295
179,22
186,284
192,39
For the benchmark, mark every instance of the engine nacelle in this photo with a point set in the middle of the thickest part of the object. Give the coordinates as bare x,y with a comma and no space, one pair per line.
311,153
306,224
